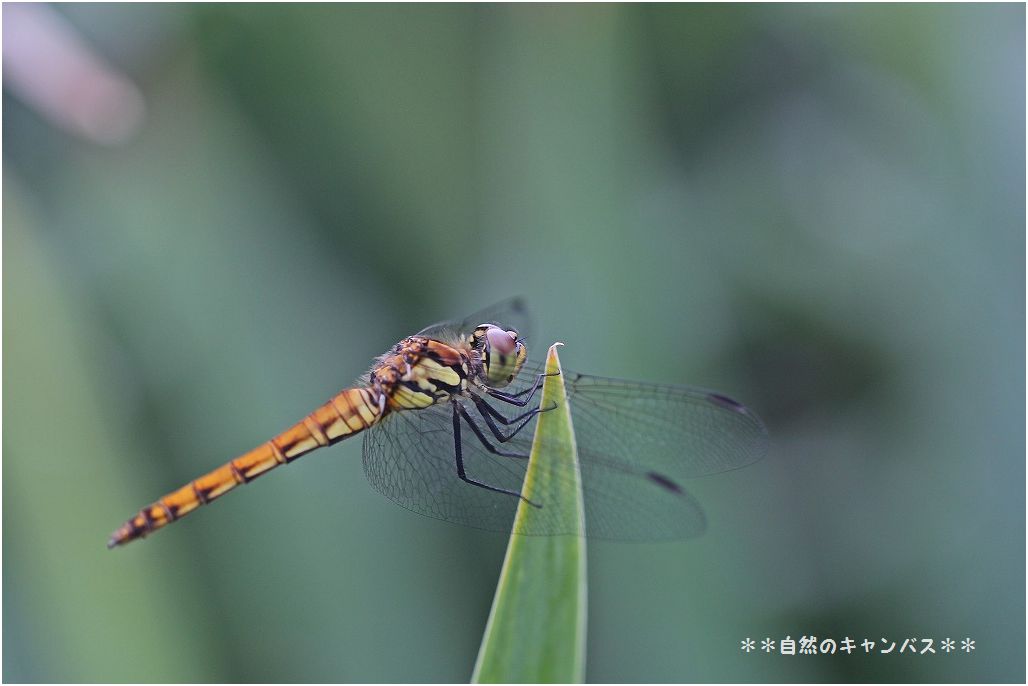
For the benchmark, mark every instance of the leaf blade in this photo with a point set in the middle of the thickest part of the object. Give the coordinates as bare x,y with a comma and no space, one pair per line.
536,627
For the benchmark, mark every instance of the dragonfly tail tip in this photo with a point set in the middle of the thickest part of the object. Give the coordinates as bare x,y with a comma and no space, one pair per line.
116,539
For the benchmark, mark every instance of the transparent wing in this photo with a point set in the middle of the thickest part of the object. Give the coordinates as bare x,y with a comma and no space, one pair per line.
637,444
509,313
409,458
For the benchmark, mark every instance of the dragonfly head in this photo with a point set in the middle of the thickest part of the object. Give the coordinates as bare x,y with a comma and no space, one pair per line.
502,354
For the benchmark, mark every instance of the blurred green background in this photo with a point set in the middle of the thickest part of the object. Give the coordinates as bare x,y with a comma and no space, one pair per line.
817,209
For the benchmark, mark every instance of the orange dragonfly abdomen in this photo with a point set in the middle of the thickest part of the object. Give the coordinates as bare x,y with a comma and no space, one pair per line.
346,414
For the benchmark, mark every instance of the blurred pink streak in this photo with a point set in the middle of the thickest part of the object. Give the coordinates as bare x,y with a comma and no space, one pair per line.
50,68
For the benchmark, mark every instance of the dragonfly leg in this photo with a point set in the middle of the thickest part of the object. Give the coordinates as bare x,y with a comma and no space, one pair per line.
481,436
491,416
538,380
515,398
458,412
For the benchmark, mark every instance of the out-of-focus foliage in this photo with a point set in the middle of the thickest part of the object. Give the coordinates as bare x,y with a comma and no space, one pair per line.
819,210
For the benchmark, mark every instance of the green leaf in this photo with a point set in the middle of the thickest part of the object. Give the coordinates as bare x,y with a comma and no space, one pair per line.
536,629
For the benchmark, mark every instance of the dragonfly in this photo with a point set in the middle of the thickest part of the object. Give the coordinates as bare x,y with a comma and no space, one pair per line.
448,415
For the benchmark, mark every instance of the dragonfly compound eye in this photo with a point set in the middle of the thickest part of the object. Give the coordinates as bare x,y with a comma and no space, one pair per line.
502,356
499,340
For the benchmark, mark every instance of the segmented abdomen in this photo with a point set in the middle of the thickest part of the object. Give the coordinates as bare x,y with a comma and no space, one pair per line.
349,412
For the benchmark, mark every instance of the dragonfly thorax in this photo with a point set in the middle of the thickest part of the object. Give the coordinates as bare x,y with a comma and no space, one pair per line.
500,352
419,372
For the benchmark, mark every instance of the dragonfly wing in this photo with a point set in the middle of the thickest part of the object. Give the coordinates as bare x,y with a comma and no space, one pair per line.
683,432
509,313
639,442
636,444
409,457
